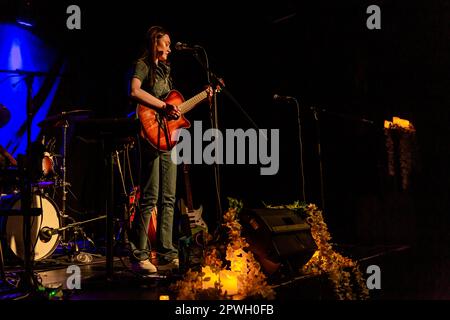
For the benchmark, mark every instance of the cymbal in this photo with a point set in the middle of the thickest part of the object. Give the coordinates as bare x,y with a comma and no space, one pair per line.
5,115
57,120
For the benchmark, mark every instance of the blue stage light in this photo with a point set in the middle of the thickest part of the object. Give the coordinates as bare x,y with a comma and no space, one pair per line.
20,49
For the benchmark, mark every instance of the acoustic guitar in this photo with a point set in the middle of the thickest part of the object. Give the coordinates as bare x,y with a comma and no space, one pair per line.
161,132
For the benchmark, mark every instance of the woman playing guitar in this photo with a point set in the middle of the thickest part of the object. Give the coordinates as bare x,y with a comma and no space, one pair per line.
159,114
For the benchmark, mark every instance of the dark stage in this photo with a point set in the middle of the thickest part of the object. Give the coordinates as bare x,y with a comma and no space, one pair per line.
341,105
400,265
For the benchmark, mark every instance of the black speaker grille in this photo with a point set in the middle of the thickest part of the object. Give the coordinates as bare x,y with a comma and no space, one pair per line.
278,235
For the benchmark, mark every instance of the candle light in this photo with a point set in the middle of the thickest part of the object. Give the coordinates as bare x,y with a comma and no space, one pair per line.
229,282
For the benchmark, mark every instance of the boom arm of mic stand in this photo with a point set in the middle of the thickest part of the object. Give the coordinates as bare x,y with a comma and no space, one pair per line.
316,110
225,90
71,225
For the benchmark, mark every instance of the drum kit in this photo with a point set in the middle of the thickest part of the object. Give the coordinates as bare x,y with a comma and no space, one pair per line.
50,228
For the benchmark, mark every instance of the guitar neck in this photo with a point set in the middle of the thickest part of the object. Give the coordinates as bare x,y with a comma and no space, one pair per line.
188,105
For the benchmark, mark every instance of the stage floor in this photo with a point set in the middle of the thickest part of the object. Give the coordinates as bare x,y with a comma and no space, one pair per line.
406,273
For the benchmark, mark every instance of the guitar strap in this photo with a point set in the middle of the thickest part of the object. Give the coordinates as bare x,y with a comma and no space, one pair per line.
164,127
167,133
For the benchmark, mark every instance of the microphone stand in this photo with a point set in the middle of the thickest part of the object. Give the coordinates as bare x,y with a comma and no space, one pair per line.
316,112
300,145
27,196
215,125
28,281
217,80
319,154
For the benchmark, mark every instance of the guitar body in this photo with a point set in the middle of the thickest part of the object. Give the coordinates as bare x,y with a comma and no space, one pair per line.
194,217
160,132
193,240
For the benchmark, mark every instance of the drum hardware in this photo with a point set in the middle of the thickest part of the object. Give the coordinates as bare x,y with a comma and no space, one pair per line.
54,174
109,133
29,280
49,161
48,165
64,171
2,266
46,234
60,120
15,212
47,231
42,185
43,212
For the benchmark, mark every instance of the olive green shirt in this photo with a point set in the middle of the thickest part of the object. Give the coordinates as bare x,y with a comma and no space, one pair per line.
163,81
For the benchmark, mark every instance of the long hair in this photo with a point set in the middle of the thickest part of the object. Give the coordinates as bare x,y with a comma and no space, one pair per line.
150,54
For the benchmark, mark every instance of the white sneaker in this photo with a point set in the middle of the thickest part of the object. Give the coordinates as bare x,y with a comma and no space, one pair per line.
174,264
143,266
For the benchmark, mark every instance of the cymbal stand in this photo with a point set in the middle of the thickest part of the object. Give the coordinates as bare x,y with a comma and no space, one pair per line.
64,169
62,212
77,229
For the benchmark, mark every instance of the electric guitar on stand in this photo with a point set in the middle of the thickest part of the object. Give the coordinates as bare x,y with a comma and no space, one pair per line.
196,222
193,229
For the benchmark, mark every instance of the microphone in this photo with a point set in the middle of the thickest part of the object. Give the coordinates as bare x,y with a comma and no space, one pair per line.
277,97
180,46
46,233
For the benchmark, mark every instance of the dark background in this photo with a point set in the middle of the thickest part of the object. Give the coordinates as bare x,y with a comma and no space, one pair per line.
320,52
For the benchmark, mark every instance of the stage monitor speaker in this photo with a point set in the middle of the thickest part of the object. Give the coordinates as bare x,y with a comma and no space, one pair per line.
278,238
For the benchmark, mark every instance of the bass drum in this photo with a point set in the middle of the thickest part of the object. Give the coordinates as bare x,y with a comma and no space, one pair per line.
12,227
